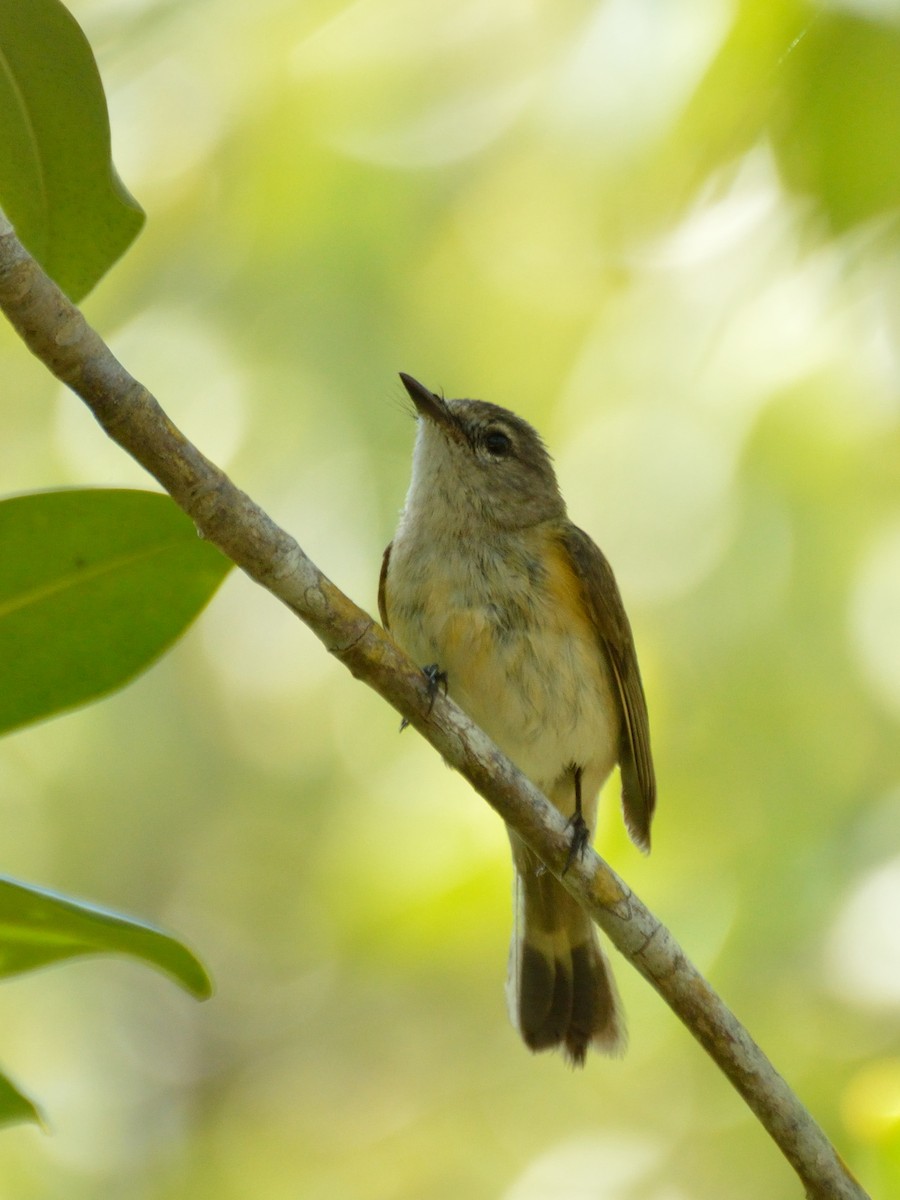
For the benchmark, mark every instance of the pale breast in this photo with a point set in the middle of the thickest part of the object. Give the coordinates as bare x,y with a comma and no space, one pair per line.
521,657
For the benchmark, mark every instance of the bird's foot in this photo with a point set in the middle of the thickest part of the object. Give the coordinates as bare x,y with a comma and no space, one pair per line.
581,836
437,679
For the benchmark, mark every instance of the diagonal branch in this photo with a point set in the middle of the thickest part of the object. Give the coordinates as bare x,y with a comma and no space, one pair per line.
56,332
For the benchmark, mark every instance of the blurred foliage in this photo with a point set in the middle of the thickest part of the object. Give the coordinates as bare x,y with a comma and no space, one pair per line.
38,928
666,235
15,1105
57,183
94,586
839,144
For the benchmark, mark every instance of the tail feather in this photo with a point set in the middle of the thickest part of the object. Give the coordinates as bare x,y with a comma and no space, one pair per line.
544,999
561,989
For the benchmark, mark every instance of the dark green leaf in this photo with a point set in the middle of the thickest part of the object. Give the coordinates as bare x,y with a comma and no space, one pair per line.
57,181
38,927
94,585
14,1106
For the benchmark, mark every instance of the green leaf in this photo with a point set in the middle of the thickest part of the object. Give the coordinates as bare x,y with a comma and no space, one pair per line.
15,1107
836,134
57,181
94,586
38,927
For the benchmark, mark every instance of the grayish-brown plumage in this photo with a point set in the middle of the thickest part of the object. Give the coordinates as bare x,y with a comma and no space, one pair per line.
487,579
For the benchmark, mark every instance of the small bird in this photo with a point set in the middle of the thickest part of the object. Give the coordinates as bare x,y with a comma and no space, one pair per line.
491,588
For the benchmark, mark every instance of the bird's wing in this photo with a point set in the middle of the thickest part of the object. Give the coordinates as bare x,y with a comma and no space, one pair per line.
382,587
607,613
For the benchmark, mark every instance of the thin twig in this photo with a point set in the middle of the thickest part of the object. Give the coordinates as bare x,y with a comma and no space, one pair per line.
56,332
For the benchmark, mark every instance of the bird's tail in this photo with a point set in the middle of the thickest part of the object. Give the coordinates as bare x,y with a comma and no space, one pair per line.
560,988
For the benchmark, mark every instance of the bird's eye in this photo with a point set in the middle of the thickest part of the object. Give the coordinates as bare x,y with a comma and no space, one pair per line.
497,443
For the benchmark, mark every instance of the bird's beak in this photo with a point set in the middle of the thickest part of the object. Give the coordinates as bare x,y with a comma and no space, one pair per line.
430,406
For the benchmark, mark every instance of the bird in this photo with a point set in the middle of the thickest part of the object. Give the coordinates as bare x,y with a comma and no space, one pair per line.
492,590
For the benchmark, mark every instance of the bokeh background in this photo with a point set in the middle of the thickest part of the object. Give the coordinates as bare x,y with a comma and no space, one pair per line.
666,235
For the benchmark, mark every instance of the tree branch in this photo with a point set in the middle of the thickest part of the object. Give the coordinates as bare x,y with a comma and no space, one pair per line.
57,333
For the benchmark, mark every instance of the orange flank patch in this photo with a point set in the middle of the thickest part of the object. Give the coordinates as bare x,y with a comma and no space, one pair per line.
566,592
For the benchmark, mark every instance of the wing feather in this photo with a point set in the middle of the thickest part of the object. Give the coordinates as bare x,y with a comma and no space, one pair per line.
604,603
382,587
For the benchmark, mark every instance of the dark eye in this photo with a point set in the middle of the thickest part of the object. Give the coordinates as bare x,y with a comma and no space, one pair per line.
497,442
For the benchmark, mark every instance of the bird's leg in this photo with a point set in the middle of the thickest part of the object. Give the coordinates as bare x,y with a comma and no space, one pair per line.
581,835
437,679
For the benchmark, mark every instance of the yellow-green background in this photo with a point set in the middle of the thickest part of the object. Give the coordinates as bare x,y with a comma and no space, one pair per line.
665,234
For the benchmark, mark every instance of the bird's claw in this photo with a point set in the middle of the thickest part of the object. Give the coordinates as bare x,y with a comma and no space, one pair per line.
437,679
581,836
